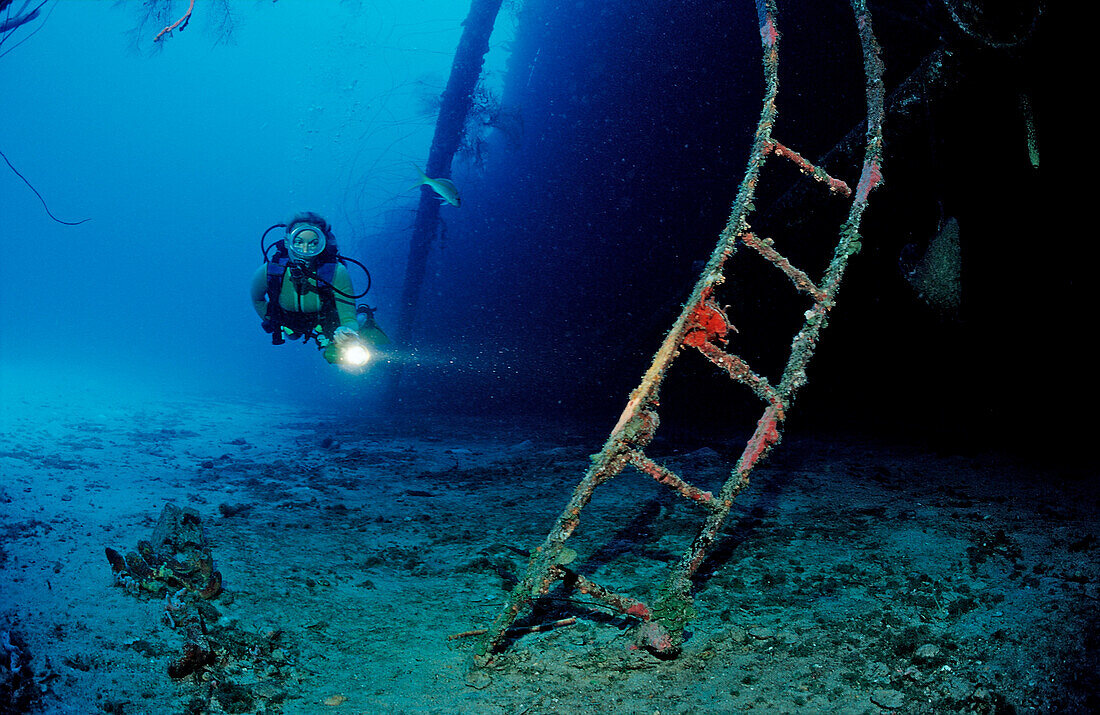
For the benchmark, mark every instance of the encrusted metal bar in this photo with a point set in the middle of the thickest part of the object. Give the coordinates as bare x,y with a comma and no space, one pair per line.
625,604
740,371
810,169
764,246
670,479
703,324
663,633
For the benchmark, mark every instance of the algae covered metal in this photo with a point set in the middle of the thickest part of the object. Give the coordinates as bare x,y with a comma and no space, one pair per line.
704,326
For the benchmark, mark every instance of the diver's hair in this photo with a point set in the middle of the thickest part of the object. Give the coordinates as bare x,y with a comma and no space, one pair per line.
313,219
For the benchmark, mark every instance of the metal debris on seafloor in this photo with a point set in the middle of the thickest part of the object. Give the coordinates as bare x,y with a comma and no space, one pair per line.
177,557
177,566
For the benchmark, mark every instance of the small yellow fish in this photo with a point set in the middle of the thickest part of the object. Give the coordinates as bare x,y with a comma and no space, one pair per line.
444,187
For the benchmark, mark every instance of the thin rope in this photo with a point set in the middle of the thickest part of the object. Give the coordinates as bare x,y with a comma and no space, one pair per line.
67,223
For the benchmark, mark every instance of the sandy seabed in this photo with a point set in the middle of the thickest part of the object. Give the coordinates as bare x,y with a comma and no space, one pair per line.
852,577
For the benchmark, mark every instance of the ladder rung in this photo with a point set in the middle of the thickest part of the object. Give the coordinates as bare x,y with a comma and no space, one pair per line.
809,169
740,371
671,479
799,278
625,604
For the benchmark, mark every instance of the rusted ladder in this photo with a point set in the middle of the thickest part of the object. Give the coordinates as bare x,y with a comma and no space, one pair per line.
704,326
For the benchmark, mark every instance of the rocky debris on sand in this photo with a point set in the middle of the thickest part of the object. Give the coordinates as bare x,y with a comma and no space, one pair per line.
231,510
889,699
926,653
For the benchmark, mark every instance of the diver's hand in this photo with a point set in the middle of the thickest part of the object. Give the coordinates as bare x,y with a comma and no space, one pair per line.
343,335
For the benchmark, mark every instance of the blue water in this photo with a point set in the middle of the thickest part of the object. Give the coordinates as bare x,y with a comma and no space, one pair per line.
181,154
594,187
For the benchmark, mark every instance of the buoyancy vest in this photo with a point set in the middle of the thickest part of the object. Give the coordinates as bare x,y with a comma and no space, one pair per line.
323,273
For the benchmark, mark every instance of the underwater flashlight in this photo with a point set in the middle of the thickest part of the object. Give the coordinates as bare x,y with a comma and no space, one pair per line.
353,356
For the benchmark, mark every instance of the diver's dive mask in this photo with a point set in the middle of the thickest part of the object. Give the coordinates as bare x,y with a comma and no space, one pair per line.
305,242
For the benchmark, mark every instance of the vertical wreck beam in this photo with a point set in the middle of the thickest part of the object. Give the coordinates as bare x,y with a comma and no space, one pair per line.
455,105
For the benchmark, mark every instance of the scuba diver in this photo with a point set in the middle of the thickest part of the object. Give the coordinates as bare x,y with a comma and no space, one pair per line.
304,290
